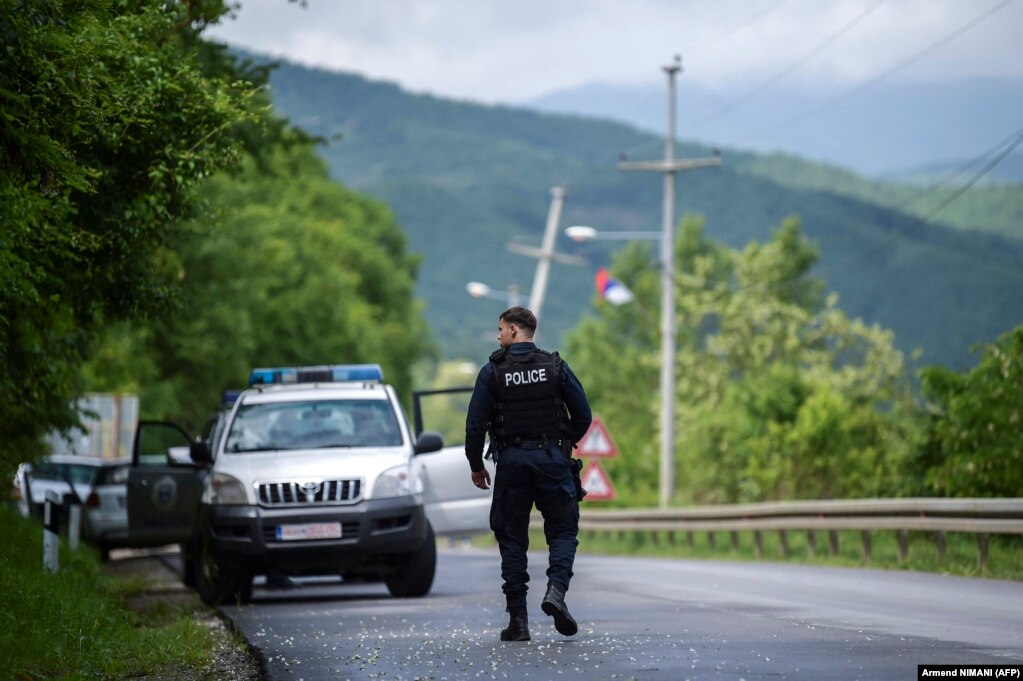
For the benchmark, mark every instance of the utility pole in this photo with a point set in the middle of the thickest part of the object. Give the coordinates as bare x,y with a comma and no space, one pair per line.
669,166
546,253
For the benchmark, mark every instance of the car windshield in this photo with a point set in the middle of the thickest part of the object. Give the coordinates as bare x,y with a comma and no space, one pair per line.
312,425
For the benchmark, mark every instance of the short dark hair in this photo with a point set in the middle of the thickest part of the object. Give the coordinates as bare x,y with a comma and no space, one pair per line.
520,316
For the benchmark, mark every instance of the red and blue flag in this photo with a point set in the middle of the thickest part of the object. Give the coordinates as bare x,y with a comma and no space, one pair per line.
612,290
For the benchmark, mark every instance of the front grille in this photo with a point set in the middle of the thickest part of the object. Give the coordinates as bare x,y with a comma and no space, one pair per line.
307,493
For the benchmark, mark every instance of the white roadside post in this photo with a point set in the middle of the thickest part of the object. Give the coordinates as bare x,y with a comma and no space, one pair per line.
51,542
74,525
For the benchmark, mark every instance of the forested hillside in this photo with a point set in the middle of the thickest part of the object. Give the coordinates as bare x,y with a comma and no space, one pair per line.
463,179
995,207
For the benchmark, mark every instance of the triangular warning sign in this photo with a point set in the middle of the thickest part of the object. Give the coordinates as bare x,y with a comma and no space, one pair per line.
596,483
597,442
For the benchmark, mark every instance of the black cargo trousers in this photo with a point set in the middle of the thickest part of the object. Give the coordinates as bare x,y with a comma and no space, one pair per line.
527,475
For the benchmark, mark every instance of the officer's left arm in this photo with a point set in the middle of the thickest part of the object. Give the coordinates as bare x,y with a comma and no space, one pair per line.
478,418
578,406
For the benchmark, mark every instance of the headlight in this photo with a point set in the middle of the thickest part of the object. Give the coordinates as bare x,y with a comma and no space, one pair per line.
227,490
394,482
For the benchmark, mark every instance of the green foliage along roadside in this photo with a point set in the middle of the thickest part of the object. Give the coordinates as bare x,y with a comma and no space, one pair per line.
163,231
73,625
110,120
293,269
975,447
779,395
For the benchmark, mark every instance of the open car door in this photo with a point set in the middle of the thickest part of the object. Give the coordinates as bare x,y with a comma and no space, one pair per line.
164,486
454,506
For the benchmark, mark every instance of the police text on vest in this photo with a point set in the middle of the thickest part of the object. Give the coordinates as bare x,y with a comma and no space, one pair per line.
525,377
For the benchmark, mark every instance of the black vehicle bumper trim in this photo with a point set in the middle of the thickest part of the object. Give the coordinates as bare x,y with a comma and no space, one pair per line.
247,535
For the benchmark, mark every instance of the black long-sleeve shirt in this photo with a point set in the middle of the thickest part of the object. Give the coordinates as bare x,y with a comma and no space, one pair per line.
477,419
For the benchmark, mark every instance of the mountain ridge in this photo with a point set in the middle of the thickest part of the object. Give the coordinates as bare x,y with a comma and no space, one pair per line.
914,125
465,178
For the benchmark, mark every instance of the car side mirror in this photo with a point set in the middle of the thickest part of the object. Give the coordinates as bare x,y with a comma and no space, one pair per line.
429,442
179,456
200,452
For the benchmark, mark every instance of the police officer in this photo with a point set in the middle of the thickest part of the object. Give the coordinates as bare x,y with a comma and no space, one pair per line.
535,410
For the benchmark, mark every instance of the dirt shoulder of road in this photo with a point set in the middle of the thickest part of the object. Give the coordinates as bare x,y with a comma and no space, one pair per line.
162,586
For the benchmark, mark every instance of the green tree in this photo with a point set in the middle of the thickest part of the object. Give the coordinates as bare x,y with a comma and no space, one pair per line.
109,122
294,269
975,448
778,394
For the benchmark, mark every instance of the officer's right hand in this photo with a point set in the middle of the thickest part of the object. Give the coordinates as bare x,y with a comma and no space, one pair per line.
481,479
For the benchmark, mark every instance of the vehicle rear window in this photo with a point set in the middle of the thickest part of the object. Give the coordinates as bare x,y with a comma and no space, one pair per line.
78,474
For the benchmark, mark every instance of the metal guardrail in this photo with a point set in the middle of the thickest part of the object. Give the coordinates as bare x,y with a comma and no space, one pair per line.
982,517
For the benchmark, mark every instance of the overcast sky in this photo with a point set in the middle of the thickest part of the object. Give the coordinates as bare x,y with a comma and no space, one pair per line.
510,51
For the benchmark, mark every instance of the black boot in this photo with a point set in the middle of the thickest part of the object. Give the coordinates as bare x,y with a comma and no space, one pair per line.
554,605
518,627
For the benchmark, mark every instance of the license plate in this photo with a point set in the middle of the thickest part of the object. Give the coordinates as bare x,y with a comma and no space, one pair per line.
309,531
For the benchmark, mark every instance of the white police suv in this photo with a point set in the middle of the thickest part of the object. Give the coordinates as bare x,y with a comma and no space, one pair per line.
312,470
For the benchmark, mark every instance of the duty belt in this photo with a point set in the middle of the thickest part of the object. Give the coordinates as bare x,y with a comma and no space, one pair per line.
531,443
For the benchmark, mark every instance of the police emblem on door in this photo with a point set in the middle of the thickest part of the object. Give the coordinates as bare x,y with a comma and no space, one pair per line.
165,493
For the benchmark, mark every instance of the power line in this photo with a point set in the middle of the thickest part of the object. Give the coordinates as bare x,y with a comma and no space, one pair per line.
721,35
912,59
1007,146
1016,138
956,172
702,44
820,47
1010,144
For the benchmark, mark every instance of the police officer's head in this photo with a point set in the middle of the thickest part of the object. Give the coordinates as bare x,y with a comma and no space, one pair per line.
516,325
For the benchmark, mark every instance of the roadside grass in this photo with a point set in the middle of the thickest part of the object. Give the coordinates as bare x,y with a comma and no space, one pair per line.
1005,552
77,624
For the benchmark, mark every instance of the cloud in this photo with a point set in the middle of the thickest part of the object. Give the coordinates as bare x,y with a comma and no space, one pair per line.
512,51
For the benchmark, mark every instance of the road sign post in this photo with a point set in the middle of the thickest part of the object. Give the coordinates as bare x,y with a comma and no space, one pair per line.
597,444
596,482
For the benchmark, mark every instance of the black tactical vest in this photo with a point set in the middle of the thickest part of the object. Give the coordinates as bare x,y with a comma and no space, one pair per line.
527,398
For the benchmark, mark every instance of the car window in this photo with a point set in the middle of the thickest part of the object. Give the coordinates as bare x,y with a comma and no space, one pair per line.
154,441
78,474
314,424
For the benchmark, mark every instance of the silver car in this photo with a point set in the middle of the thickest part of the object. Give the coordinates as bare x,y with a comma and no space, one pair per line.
100,485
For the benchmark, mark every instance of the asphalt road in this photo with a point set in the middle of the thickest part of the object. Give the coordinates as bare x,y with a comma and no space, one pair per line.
644,619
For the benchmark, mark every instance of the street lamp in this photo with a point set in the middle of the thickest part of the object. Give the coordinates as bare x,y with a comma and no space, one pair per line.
583,233
478,289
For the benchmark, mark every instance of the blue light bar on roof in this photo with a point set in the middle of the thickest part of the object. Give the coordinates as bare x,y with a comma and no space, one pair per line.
332,373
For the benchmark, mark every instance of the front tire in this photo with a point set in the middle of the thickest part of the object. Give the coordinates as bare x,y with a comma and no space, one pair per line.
216,582
415,571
